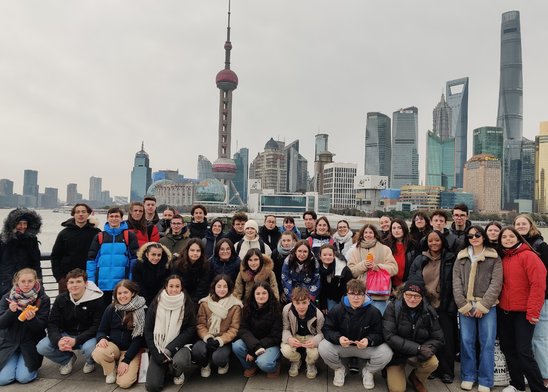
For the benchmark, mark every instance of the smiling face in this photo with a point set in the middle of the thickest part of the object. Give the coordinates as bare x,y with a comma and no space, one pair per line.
322,228
250,233
123,295
216,228
176,226
26,282
420,222
198,215
221,288
508,239
287,241
493,233
194,252
114,219
522,225
254,262
327,256
174,287
76,287
225,251
384,223
397,231
368,234
302,253
154,255
342,228
309,222
475,238
434,243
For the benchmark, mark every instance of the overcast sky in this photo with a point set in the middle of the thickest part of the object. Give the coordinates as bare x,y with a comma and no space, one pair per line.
82,83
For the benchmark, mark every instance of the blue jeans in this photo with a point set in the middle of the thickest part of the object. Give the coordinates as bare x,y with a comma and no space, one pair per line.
380,304
470,329
540,341
267,361
16,370
48,350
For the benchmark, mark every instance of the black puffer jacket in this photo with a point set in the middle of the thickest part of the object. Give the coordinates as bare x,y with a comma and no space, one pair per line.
404,333
71,247
197,230
151,277
270,237
261,327
19,250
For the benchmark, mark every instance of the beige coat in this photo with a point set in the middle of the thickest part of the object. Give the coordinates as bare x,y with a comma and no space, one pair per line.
229,326
244,283
315,325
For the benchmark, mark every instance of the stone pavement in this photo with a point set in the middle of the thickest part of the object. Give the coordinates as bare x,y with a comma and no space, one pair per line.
51,381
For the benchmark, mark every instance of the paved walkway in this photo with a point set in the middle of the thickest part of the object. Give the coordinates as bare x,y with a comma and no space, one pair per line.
51,381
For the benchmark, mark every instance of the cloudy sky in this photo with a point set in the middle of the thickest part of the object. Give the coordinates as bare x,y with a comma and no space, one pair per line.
82,83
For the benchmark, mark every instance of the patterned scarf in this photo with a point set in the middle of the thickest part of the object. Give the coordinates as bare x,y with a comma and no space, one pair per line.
137,306
23,299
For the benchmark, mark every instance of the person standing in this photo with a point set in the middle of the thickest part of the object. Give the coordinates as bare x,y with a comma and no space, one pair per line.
213,235
71,247
460,224
404,249
384,226
137,223
420,226
151,269
269,232
175,237
236,232
320,236
151,215
301,269
198,226
309,218
342,238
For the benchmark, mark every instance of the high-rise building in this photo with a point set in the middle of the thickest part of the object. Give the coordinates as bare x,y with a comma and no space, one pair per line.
482,178
321,145
420,197
510,109
441,125
541,169
378,145
141,175
6,187
457,99
339,184
405,157
205,169
322,156
270,167
440,160
72,192
488,140
49,198
241,158
518,174
297,168
95,188
30,188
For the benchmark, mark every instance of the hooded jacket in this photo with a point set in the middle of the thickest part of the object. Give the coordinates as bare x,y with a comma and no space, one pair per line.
71,247
151,277
244,281
19,250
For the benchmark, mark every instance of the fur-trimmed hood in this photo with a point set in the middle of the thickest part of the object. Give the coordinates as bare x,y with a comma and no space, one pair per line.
15,216
262,275
488,252
166,254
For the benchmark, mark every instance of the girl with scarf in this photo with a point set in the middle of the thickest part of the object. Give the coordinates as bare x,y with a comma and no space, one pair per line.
120,335
368,255
334,275
218,323
287,241
170,328
225,260
21,329
343,237
301,269
255,267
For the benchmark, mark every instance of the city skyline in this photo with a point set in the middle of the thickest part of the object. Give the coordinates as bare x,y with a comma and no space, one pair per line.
86,93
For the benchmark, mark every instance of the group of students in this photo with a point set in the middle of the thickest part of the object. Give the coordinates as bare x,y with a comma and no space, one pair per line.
390,297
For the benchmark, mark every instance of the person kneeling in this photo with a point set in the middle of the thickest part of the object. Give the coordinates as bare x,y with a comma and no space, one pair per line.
302,328
353,329
412,330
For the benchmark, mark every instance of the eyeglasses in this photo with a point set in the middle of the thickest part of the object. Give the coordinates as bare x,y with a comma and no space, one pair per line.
412,296
356,294
475,235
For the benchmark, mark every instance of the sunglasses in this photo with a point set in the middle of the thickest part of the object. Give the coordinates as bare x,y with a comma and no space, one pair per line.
476,235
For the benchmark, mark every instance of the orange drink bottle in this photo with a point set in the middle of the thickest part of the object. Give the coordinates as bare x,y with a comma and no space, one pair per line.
29,308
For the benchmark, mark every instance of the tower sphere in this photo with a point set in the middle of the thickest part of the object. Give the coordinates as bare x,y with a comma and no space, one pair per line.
224,169
226,80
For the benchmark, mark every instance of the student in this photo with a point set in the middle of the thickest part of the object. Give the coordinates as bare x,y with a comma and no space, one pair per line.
302,328
225,260
404,249
73,322
236,233
137,223
301,269
321,235
420,226
309,218
71,246
289,225
255,267
260,334
198,226
343,237
194,270
175,238
164,224
492,229
477,281
170,328
287,241
384,226
353,329
151,269
120,336
151,215
218,323
251,240
413,332
334,275
21,329
19,246
213,235
269,232
438,221
459,225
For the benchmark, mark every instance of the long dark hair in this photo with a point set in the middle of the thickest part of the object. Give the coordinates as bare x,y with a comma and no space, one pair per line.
414,230
233,254
253,252
478,229
217,279
359,236
272,305
127,321
391,241
183,263
141,224
309,265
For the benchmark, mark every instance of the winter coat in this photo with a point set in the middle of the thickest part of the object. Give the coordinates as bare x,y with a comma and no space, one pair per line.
187,333
233,236
244,281
71,247
196,278
151,277
447,303
230,267
110,262
150,235
229,326
19,250
294,278
478,283
257,243
261,328
343,244
175,243
404,333
459,236
163,226
524,282
112,329
23,336
197,230
537,243
270,237
314,324
410,253
316,241
355,324
333,282
210,241
79,321
278,260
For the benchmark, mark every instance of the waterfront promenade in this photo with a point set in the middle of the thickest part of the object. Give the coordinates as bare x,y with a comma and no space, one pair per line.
51,381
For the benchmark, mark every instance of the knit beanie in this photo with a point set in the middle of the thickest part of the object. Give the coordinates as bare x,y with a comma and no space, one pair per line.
252,224
414,286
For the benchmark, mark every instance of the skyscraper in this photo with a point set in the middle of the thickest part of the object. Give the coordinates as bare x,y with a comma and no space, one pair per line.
488,140
322,156
378,145
241,158
541,169
270,167
72,193
457,99
141,175
320,145
30,188
482,174
297,168
339,184
95,188
205,169
405,157
50,197
442,115
440,148
518,174
6,187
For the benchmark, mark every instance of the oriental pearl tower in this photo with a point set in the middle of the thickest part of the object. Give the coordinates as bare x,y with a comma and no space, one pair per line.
224,168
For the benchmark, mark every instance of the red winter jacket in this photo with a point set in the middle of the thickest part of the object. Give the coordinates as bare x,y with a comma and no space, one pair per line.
152,235
524,282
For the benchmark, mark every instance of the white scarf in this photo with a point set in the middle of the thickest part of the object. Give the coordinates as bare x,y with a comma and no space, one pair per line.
169,318
219,311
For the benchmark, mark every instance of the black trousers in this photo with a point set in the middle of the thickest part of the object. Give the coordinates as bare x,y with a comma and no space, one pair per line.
515,335
157,372
446,353
202,356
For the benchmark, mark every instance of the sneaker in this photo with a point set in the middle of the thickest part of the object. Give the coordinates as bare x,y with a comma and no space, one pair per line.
67,368
368,382
511,388
111,377
223,369
482,388
88,367
338,378
205,371
311,371
179,380
294,369
466,385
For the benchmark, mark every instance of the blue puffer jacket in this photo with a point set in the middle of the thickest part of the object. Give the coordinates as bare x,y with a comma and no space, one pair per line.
112,260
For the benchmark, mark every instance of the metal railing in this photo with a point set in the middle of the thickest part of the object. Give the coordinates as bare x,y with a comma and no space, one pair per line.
48,281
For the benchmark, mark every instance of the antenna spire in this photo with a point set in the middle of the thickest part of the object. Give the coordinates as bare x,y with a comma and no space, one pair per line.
228,44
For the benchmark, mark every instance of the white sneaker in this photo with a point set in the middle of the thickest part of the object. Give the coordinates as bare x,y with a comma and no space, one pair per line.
179,380
338,378
224,369
88,367
205,371
482,388
111,377
67,368
368,382
294,369
311,370
466,385
511,388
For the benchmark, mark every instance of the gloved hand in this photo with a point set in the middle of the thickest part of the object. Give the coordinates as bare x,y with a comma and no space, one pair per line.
212,344
425,352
